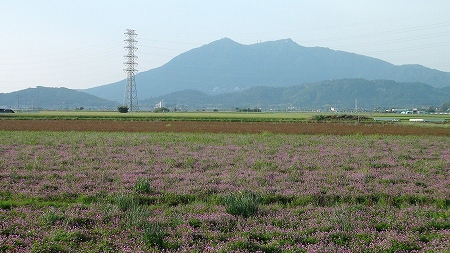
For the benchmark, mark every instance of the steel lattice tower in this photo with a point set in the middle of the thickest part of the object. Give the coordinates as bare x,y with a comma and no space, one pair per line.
131,100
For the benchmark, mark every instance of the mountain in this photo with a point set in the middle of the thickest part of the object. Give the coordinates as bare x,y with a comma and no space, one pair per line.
225,66
446,89
342,93
53,98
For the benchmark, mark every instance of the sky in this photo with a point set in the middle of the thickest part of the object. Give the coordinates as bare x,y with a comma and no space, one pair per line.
79,44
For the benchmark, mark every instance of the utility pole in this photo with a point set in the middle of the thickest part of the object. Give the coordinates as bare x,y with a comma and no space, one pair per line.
130,99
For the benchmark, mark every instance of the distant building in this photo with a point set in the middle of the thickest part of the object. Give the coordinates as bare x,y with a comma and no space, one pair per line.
160,104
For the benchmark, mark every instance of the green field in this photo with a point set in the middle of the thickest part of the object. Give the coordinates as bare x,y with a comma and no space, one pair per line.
206,116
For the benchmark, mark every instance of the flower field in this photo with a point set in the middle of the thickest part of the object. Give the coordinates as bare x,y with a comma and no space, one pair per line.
223,192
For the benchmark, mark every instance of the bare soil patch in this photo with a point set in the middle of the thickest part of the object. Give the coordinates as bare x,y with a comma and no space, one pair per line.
219,127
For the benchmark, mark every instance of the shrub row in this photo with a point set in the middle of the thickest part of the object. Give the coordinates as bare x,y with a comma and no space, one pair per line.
340,118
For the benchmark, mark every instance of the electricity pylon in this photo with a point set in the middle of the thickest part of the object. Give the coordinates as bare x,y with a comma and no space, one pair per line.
130,99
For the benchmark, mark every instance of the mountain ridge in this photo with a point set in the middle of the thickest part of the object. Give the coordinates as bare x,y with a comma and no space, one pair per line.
338,93
341,93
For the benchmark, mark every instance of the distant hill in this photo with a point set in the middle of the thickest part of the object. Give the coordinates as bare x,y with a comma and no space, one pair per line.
53,98
446,89
342,93
224,66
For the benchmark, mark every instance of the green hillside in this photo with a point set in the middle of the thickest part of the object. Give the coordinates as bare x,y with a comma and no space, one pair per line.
53,98
342,94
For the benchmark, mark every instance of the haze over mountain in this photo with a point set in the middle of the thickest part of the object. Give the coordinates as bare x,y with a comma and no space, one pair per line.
226,66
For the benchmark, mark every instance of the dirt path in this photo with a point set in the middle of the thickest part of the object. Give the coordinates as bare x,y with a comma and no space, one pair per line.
217,127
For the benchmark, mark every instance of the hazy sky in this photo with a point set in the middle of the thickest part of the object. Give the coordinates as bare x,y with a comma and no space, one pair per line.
79,43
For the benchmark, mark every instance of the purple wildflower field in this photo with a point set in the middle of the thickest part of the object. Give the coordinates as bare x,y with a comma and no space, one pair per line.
193,192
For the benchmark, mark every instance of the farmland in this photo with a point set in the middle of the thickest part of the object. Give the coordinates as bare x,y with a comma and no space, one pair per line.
217,122
223,116
88,190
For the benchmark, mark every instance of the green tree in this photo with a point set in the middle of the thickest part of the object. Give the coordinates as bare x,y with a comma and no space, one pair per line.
122,109
162,109
446,106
